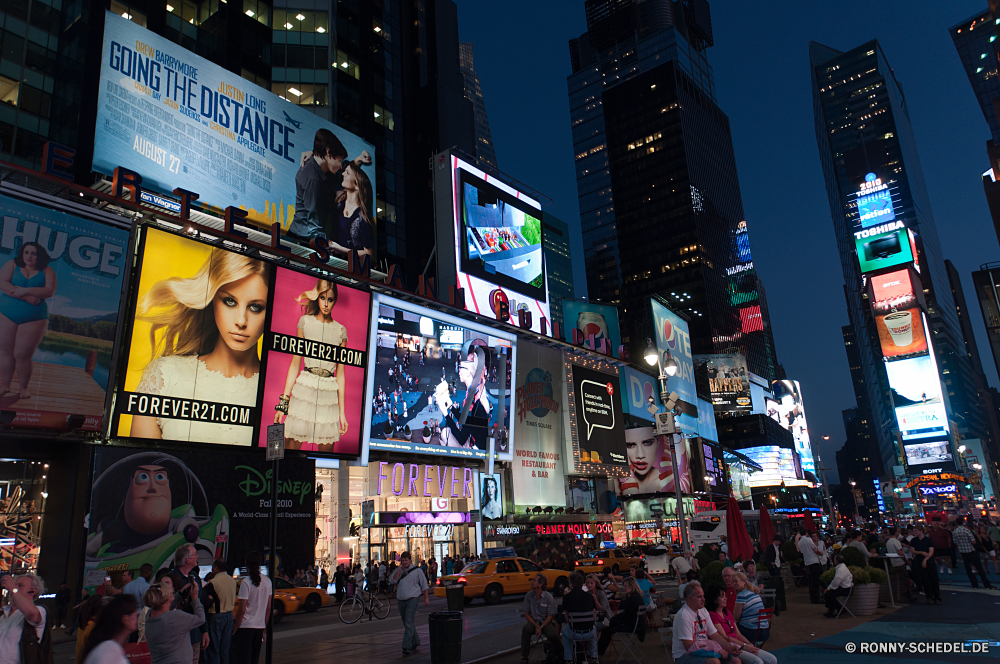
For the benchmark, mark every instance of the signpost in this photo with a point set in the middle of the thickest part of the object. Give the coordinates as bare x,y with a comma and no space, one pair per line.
275,452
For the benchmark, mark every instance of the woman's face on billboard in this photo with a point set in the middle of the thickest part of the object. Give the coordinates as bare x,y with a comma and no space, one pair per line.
491,489
326,301
239,312
641,455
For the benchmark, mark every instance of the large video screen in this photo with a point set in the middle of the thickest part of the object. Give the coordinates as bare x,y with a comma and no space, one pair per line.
60,286
778,463
883,246
181,121
892,291
789,411
917,398
434,383
592,319
902,333
599,417
936,453
728,380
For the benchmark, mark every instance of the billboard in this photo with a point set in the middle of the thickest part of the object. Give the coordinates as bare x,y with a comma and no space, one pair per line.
916,396
883,246
491,496
494,232
315,363
927,453
538,468
61,279
145,504
592,319
728,381
673,336
902,333
778,463
650,467
789,411
892,291
182,121
874,201
433,381
638,387
599,418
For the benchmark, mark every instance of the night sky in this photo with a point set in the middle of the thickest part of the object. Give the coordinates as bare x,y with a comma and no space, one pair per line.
761,66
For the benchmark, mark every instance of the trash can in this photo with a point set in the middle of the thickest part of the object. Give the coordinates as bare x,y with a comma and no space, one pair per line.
456,597
445,629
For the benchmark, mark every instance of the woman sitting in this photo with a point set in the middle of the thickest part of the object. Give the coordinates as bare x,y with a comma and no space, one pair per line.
748,608
631,616
604,612
725,622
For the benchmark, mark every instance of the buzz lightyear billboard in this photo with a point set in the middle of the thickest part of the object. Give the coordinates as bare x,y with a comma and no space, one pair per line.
144,505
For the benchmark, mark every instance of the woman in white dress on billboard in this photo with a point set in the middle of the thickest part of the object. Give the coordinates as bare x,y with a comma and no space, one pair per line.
209,326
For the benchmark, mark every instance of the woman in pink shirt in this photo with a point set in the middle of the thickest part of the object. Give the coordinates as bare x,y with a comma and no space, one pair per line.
715,602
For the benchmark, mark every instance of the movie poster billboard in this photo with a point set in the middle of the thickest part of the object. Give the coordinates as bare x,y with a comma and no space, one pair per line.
193,344
650,467
592,319
538,470
599,417
316,358
728,381
789,411
182,121
434,383
146,504
61,278
673,337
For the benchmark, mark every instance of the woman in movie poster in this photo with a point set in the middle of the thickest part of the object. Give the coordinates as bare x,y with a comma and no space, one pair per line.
310,403
26,281
203,333
649,464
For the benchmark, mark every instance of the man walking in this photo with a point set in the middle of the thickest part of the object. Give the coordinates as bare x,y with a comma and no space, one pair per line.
220,623
965,544
810,558
540,612
186,561
62,604
410,582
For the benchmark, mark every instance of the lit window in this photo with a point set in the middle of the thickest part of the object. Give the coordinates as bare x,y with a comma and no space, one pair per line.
982,57
288,26
250,13
979,70
295,92
321,29
300,17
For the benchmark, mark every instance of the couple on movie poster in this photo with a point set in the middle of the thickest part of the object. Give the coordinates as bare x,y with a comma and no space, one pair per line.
199,334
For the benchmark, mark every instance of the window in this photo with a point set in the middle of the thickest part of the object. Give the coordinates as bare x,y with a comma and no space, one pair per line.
346,65
125,11
475,568
528,566
506,567
8,91
302,94
294,20
258,11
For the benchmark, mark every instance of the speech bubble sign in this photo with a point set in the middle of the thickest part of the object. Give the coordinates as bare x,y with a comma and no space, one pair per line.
598,409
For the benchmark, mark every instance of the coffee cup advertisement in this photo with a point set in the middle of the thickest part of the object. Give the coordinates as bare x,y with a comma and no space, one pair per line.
902,334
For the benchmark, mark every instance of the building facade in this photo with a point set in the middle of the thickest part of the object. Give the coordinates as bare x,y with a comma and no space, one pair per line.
558,262
474,93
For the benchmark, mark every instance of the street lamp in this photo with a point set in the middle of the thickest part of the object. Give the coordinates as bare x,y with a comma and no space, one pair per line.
961,449
670,365
650,354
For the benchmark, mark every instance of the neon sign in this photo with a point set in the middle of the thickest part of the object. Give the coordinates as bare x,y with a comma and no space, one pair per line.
938,490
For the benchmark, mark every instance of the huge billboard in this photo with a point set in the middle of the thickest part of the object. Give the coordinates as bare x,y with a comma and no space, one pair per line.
873,200
145,504
673,337
778,463
916,396
434,382
592,320
60,286
538,417
599,418
182,121
922,453
789,411
314,323
883,246
639,387
205,322
650,467
728,381
495,234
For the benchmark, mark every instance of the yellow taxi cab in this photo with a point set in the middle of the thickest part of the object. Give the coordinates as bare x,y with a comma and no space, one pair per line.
492,579
309,599
284,601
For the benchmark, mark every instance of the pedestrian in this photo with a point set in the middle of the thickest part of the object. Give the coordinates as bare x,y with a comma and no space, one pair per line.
186,571
942,546
220,617
253,610
925,565
693,630
138,586
725,622
88,615
965,543
449,565
106,642
62,604
577,600
383,577
21,614
324,580
433,569
810,558
167,629
339,582
410,581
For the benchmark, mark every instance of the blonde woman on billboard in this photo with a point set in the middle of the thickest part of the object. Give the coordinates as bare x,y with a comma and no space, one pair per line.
209,326
310,402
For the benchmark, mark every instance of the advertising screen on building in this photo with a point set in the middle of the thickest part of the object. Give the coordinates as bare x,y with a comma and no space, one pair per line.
433,396
778,465
902,333
727,379
60,287
935,453
639,387
144,505
650,469
875,208
916,396
599,418
739,477
538,469
673,337
491,496
892,291
316,359
182,121
496,233
789,411
592,319
886,245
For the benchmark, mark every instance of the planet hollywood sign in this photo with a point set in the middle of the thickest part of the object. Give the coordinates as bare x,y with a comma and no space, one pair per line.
572,528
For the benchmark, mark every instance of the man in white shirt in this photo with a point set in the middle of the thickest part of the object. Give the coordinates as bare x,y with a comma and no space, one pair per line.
693,626
893,545
20,614
810,558
410,582
682,565
841,585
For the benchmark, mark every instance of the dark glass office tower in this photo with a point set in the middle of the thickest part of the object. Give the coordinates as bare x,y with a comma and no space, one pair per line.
660,202
558,263
474,93
862,127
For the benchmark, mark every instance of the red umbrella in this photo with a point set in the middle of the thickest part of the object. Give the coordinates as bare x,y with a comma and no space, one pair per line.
767,531
737,537
808,523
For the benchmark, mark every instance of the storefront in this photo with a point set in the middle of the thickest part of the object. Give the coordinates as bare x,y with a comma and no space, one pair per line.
554,541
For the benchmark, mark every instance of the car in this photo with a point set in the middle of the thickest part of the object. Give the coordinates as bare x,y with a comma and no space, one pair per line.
492,579
310,599
616,559
284,602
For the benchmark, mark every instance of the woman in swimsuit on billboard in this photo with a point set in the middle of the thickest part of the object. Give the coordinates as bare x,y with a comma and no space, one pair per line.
26,282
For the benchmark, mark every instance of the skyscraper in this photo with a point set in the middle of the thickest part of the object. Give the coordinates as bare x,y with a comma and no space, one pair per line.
878,198
558,263
474,93
660,204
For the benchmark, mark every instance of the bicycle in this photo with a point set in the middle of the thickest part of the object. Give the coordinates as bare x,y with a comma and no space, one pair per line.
354,608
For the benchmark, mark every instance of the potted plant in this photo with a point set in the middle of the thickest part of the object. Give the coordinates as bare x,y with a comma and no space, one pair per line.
864,597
